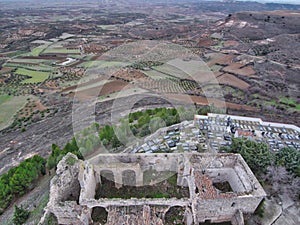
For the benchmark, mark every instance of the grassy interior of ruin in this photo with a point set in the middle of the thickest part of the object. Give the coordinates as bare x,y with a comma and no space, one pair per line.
165,189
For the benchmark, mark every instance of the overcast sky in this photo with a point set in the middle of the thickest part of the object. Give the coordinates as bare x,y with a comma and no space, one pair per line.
277,1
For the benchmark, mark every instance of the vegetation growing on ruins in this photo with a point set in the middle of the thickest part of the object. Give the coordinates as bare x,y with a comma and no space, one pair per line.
51,220
57,153
164,189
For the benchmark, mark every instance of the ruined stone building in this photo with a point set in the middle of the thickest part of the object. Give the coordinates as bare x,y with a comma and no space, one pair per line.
200,180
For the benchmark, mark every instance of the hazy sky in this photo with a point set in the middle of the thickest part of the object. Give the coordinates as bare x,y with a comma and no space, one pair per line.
277,1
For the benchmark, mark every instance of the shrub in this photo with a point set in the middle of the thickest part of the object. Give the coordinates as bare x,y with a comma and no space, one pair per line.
20,215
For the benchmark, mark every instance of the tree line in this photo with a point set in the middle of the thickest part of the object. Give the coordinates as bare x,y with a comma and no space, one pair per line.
259,157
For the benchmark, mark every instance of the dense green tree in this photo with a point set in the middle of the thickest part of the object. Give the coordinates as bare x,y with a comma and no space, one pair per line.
257,155
156,123
107,132
57,154
20,215
20,179
290,159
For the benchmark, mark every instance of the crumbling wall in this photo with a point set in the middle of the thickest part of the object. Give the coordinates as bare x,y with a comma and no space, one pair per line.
144,215
197,171
87,180
229,175
65,184
219,210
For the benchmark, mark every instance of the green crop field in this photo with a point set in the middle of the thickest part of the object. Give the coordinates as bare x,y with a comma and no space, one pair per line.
103,64
39,67
8,107
156,75
4,98
24,60
171,70
37,51
61,50
36,76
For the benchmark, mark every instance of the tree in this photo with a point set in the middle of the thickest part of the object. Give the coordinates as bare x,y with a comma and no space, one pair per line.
155,124
257,155
290,159
20,215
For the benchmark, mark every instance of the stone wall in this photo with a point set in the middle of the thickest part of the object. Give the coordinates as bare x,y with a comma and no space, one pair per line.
196,171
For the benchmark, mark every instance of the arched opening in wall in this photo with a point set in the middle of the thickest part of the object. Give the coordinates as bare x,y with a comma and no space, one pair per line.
129,178
99,215
223,187
175,215
107,183
73,192
208,222
107,175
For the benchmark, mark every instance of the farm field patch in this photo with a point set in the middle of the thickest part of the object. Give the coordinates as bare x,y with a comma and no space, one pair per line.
35,67
123,93
103,64
156,75
238,68
36,76
233,81
61,50
8,108
4,98
5,70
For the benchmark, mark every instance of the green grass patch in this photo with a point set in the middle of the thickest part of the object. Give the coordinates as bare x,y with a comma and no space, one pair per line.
270,102
103,64
16,53
36,51
61,50
36,76
291,103
156,75
219,45
8,108
40,67
4,98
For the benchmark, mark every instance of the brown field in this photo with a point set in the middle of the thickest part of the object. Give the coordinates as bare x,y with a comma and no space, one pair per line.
44,57
206,101
6,70
31,107
206,77
236,68
233,81
231,43
222,59
106,89
206,42
129,74
74,87
40,106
